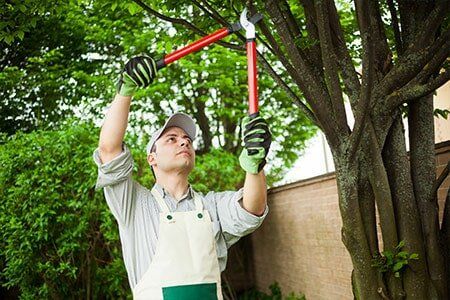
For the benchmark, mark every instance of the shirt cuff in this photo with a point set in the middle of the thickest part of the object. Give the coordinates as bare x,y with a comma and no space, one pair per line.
115,170
245,215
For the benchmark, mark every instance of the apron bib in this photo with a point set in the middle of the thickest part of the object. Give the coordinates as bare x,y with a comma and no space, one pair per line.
185,264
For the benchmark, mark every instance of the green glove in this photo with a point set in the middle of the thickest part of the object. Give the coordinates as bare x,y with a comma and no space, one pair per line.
257,139
139,72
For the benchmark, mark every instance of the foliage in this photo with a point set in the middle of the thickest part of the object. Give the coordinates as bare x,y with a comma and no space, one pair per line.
394,261
53,70
57,237
65,66
218,169
20,17
275,294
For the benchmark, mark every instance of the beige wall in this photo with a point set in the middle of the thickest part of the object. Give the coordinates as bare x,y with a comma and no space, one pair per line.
299,244
441,125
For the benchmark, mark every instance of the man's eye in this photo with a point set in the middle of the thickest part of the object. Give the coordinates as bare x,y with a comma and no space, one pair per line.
171,139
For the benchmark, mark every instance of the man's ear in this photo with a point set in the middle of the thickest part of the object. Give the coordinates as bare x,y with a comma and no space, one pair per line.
151,159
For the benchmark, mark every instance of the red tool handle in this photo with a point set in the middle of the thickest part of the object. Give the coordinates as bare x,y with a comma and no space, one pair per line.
252,78
195,46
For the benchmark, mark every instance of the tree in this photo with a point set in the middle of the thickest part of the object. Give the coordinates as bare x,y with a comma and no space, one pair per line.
402,48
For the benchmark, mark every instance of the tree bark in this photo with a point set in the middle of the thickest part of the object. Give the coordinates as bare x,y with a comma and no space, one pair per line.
423,166
415,277
353,233
445,236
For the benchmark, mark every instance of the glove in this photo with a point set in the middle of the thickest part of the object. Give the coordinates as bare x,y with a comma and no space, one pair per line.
139,72
257,139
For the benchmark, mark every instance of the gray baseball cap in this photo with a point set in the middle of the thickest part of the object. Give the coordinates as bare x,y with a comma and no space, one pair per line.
178,119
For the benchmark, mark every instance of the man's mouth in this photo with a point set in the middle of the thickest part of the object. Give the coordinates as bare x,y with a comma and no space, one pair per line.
184,152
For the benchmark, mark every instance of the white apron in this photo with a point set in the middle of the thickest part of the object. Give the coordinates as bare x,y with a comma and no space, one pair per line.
185,264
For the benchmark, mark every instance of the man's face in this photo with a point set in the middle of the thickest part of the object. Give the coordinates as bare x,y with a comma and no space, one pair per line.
174,151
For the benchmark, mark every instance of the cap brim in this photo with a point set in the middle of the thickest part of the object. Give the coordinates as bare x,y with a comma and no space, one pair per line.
183,121
180,120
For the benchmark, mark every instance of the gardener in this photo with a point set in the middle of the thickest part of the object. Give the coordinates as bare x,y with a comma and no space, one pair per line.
175,240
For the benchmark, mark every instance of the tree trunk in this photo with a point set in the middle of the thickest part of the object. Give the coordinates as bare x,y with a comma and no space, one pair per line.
353,232
445,237
423,166
415,277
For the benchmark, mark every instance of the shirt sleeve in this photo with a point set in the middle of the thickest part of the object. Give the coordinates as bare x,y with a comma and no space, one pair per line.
118,186
235,221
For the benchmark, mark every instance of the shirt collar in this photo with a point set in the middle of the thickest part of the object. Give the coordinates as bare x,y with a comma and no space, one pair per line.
164,193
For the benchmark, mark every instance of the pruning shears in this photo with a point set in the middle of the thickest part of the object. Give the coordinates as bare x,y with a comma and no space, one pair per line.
250,36
244,23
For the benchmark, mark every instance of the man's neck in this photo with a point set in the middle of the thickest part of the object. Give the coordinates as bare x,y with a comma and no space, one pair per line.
176,185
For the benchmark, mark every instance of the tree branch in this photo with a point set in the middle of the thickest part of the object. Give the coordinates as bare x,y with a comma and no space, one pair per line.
348,72
313,35
410,65
297,101
311,84
310,58
213,13
434,65
429,27
440,180
381,51
417,91
290,20
185,24
395,26
330,70
367,78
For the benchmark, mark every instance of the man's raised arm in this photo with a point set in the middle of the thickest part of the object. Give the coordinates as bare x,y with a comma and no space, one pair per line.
139,72
257,139
114,127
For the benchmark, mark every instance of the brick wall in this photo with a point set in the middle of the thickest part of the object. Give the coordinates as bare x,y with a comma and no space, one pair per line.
299,244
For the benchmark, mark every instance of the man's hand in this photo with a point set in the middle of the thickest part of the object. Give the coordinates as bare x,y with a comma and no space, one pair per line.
139,72
257,139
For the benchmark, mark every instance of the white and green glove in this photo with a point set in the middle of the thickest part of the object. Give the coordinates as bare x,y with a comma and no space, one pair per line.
139,72
257,139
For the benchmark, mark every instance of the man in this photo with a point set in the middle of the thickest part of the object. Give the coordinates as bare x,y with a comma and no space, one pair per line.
175,240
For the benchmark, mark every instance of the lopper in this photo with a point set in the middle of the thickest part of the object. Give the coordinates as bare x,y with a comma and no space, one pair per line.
249,26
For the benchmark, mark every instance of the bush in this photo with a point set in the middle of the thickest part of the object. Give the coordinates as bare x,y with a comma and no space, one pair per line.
58,237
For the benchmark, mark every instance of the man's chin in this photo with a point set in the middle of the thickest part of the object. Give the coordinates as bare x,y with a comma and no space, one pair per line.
186,166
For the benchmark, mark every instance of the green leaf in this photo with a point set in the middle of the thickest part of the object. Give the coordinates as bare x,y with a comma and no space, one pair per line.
400,245
8,39
398,266
20,34
403,254
168,47
133,8
22,8
414,256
